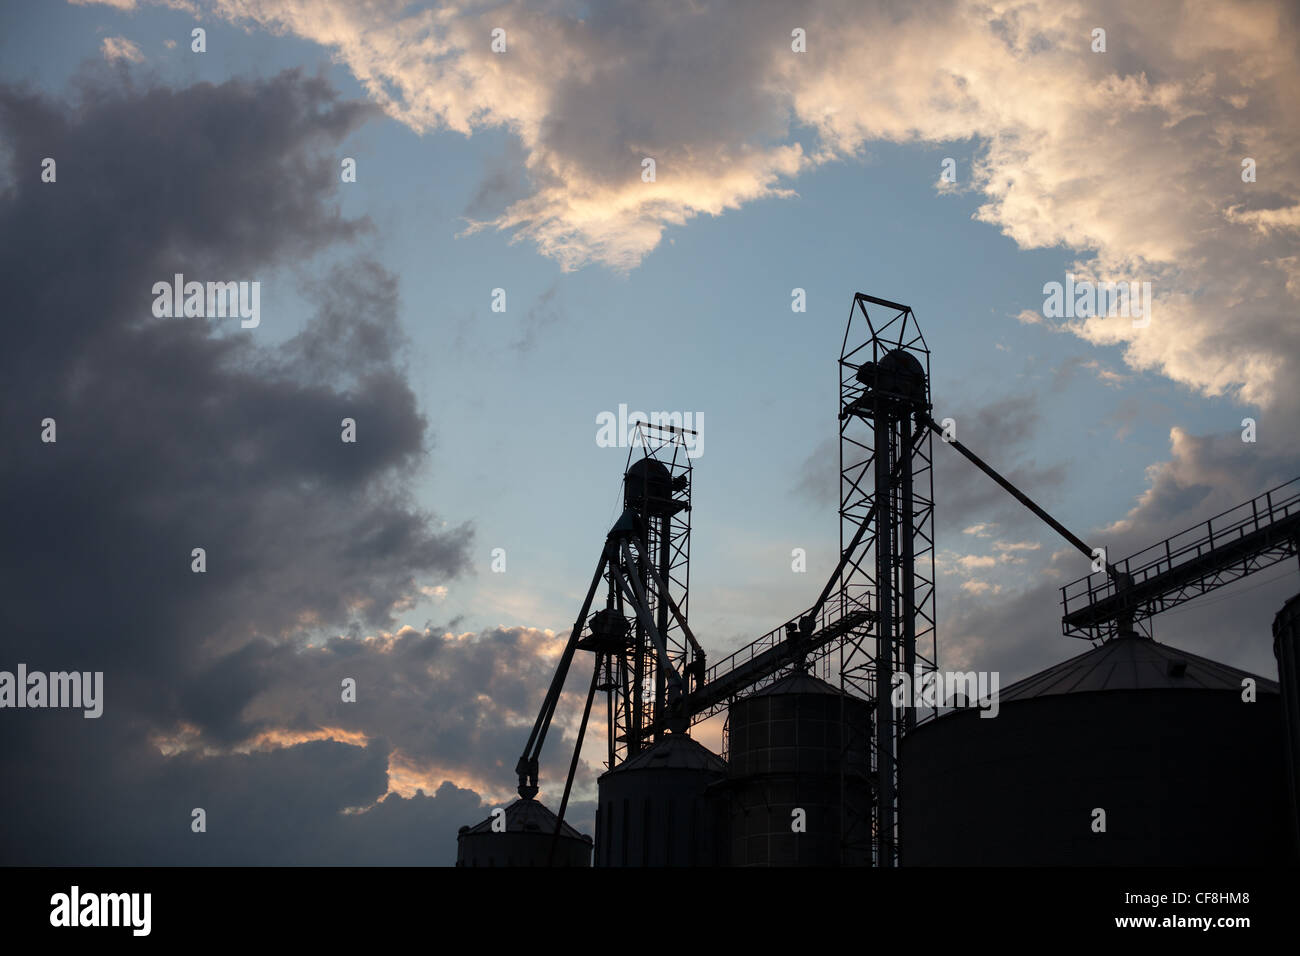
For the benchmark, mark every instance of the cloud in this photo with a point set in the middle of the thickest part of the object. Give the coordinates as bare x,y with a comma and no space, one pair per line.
120,48
1107,376
1097,152
1205,475
542,314
1002,432
1009,551
1131,158
131,806
1016,545
1020,630
222,689
1132,410
818,478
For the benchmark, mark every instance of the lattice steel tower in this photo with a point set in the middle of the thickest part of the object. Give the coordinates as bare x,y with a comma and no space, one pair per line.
639,691
887,511
651,666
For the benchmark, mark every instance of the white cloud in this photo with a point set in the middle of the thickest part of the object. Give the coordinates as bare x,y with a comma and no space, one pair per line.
1131,157
951,563
1016,545
189,6
120,48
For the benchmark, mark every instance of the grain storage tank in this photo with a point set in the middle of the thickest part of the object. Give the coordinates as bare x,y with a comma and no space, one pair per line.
526,840
1185,770
799,744
1286,648
659,808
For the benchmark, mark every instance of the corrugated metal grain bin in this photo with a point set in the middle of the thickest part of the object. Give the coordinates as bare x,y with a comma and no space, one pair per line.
799,745
526,840
658,808
1286,648
1186,771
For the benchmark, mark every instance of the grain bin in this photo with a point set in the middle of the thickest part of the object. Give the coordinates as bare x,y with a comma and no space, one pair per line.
1186,771
660,809
799,744
526,840
1286,648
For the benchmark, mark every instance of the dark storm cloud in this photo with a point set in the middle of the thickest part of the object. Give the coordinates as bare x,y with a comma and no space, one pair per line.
262,808
183,433
456,703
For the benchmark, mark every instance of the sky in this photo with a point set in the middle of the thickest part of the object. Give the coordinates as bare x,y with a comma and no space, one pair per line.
516,176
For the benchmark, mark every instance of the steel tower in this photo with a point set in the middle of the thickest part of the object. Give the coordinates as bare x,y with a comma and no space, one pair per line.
886,506
657,491
651,666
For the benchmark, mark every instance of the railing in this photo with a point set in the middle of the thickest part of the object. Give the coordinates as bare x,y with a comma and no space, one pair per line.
763,660
1217,534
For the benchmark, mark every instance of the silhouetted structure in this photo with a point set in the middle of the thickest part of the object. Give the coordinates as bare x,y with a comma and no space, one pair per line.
1254,535
1286,648
799,766
657,808
530,838
1161,741
1184,768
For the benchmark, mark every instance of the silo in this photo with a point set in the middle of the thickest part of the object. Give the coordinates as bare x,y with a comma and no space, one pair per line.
1186,771
659,808
799,744
1286,648
526,840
